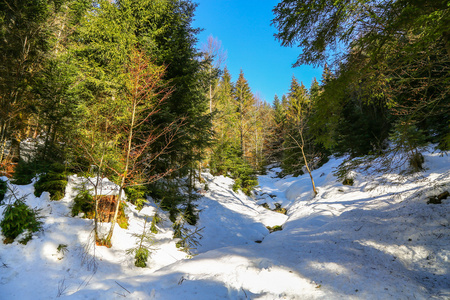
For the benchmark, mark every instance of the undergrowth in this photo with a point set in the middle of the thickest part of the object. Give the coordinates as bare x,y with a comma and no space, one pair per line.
18,219
53,181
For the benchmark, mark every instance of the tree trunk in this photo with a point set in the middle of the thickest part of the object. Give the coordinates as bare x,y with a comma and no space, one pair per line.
2,141
125,173
302,146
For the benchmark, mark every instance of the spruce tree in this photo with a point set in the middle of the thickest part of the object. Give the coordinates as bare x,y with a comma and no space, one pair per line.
25,41
244,103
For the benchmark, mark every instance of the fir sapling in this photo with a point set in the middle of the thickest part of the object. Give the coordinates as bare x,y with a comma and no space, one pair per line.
155,220
144,242
19,219
187,239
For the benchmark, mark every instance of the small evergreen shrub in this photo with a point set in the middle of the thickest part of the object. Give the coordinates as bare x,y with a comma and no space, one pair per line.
170,197
348,181
190,214
155,220
62,248
144,241
244,176
228,160
54,182
409,139
19,218
141,257
274,228
187,239
416,161
136,195
24,172
3,189
83,202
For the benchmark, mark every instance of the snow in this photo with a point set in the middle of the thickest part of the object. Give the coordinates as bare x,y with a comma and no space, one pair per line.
376,239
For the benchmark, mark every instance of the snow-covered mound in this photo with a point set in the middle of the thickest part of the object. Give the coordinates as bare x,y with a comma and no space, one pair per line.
376,239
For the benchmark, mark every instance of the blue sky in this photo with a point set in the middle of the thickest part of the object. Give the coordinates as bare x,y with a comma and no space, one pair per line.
243,27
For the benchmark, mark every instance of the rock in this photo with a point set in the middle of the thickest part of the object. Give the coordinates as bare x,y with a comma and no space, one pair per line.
438,199
348,181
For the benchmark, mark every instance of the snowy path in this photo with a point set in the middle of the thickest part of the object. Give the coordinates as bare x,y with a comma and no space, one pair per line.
374,240
377,239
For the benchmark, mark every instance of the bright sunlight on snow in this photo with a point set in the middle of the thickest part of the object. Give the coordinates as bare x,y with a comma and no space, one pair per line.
375,239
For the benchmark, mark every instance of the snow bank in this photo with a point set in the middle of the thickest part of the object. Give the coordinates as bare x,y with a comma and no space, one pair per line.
376,239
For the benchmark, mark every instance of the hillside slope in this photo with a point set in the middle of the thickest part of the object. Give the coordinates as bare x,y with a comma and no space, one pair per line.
376,239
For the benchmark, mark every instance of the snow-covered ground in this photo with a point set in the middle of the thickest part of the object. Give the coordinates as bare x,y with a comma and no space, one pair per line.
377,239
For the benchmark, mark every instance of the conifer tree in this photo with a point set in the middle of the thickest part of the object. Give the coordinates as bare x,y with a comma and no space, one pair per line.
165,29
25,40
244,101
279,121
224,127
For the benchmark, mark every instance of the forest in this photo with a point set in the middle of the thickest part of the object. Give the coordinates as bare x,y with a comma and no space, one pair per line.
121,90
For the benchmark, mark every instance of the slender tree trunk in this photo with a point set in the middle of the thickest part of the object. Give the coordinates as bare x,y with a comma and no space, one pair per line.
210,91
15,149
241,129
302,146
210,98
125,173
2,141
97,238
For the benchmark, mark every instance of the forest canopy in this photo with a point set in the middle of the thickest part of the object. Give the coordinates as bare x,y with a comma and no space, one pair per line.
123,86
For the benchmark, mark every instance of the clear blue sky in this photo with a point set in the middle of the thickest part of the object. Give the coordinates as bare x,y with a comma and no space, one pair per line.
243,27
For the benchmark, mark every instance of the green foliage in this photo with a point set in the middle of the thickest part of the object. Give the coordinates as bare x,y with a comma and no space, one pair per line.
19,218
169,195
407,136
227,160
53,181
56,108
399,73
408,139
62,248
348,181
136,195
142,251
346,117
122,219
274,228
165,28
25,43
176,198
24,172
155,220
244,178
141,257
83,202
3,189
190,214
187,239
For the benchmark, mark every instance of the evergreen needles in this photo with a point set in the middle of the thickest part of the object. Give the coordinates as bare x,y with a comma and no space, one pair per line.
19,219
144,242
